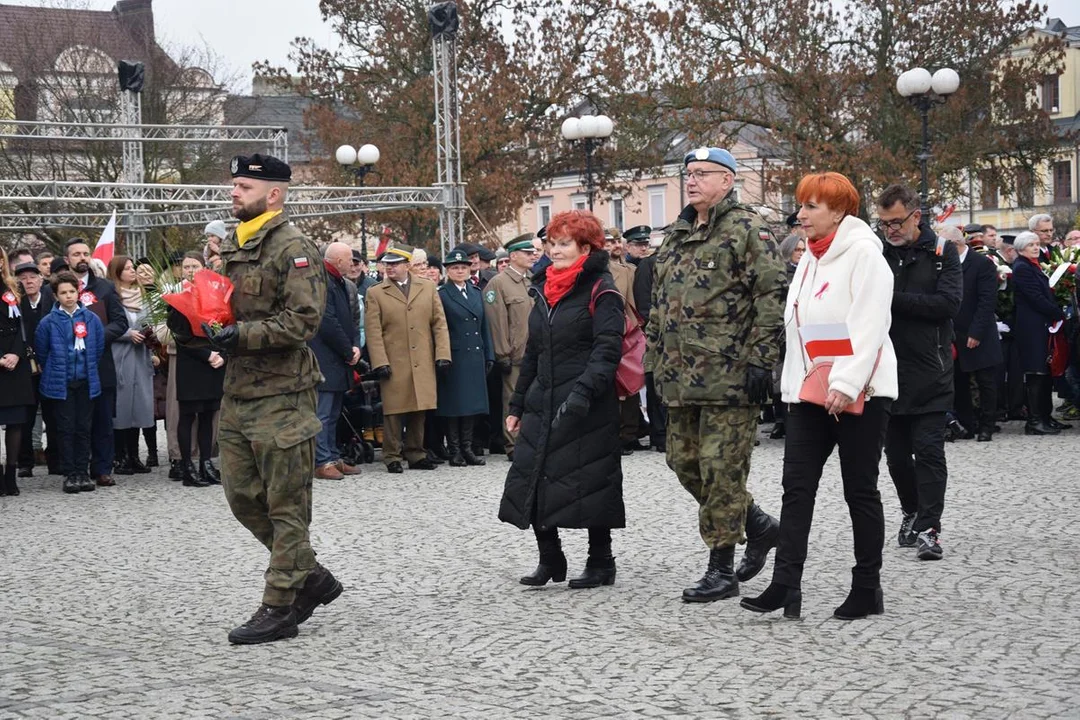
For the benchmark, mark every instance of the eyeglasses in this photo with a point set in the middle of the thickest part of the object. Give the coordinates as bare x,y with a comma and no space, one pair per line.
699,175
895,224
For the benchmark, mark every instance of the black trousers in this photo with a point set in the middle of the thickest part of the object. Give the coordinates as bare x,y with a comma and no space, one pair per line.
657,413
915,448
1011,394
73,426
102,450
811,436
987,381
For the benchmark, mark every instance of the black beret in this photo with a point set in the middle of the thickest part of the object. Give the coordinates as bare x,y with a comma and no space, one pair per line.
261,167
433,261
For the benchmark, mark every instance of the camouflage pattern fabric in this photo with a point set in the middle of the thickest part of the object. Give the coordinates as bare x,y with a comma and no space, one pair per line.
709,448
717,306
267,456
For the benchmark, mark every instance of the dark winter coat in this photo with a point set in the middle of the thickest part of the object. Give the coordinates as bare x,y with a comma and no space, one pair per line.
927,289
100,298
571,476
334,341
976,318
643,282
53,343
16,387
196,381
1036,310
463,388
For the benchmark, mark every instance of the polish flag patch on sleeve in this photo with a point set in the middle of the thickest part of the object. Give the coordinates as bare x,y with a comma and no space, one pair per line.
300,262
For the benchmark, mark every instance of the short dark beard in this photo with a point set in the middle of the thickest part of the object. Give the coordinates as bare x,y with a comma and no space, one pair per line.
82,267
250,212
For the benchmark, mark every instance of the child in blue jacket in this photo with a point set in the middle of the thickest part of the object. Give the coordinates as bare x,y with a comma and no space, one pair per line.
70,341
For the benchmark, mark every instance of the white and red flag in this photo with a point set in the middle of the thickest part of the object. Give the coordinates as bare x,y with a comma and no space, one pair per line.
106,244
827,340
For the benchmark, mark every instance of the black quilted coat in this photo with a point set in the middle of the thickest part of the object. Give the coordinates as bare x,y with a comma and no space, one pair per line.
570,477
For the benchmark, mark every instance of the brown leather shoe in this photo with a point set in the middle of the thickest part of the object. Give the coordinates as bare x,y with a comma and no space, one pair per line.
105,481
347,469
328,471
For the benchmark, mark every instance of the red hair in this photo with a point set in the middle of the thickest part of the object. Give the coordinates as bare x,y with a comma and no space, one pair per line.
830,188
581,226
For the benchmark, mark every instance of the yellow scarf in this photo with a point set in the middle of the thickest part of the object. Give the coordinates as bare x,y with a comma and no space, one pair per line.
245,230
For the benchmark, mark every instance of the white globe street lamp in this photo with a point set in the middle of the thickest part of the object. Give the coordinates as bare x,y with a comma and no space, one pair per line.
592,131
360,162
924,91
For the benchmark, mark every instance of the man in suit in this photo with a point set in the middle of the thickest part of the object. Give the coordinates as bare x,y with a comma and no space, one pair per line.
32,310
1043,226
407,341
978,345
337,352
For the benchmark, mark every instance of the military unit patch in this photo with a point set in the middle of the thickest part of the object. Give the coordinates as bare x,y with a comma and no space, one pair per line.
764,235
489,296
300,262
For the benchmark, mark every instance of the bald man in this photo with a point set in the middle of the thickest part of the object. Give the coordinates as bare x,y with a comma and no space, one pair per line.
335,348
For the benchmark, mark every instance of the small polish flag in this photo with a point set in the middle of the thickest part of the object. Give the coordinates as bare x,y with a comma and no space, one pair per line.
827,340
106,244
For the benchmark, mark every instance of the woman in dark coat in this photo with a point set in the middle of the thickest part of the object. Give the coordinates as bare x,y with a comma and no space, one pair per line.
567,469
463,386
16,385
1036,310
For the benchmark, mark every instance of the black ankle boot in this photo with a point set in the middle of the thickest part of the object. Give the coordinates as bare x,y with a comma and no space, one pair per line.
552,562
320,588
176,470
208,473
600,567
11,484
718,582
1038,411
776,596
762,534
187,474
150,436
266,625
467,449
860,603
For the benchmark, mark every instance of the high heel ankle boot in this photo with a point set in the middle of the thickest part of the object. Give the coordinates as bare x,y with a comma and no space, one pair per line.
860,603
776,596
552,565
762,534
600,566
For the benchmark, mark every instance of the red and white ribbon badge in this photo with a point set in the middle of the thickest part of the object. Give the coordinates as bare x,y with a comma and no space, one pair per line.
87,298
12,303
80,335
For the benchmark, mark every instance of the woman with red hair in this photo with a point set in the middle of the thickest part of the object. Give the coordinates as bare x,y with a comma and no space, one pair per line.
567,469
839,381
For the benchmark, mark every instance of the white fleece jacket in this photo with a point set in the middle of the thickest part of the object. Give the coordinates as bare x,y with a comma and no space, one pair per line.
850,284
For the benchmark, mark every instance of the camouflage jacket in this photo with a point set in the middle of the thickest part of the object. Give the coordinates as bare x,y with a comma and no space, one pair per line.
717,306
278,300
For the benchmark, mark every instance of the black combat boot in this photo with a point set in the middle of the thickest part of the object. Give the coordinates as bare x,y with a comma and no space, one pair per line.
208,473
268,624
600,566
190,478
453,443
552,561
719,580
762,534
320,588
1038,411
467,449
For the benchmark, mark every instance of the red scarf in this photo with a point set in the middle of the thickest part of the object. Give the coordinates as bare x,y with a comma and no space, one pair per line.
332,270
560,282
1034,262
821,246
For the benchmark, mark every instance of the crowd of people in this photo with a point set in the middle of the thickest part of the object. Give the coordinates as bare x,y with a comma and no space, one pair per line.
895,337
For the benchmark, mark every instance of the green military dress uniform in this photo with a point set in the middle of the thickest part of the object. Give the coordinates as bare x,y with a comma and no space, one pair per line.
268,421
717,308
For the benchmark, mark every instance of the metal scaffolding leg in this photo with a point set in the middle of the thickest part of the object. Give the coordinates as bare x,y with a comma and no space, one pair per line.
443,20
133,170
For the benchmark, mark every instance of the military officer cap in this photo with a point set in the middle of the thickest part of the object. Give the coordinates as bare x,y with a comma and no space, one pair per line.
26,267
1007,239
521,242
395,253
974,229
541,233
457,256
261,167
719,156
639,234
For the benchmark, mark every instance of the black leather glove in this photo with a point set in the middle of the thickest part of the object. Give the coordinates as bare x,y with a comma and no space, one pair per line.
381,373
575,406
506,367
759,385
442,365
226,339
363,367
487,366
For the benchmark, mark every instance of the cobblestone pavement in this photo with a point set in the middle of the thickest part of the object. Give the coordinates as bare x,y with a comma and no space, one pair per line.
117,603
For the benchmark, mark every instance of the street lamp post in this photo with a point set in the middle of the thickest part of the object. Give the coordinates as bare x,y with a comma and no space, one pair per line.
360,162
924,91
592,131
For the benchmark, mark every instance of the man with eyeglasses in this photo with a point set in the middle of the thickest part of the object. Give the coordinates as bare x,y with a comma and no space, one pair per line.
714,332
1043,226
927,290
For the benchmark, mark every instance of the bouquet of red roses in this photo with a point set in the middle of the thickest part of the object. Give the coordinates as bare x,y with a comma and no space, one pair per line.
205,299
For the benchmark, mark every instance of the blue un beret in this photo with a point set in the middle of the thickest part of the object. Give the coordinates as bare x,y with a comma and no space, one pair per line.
719,156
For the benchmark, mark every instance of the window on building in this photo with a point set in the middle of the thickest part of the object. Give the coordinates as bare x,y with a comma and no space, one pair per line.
543,212
657,206
1051,93
988,192
1062,183
1025,188
580,203
618,214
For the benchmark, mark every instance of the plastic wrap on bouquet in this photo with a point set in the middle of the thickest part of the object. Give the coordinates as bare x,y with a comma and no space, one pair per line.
204,299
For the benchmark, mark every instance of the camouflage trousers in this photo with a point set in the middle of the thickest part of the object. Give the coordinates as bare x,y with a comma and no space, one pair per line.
509,383
709,447
267,459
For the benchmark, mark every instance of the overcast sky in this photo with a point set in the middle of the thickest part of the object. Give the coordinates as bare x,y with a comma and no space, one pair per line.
245,31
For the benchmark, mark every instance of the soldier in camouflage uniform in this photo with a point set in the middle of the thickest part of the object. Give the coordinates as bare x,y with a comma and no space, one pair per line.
268,420
714,332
